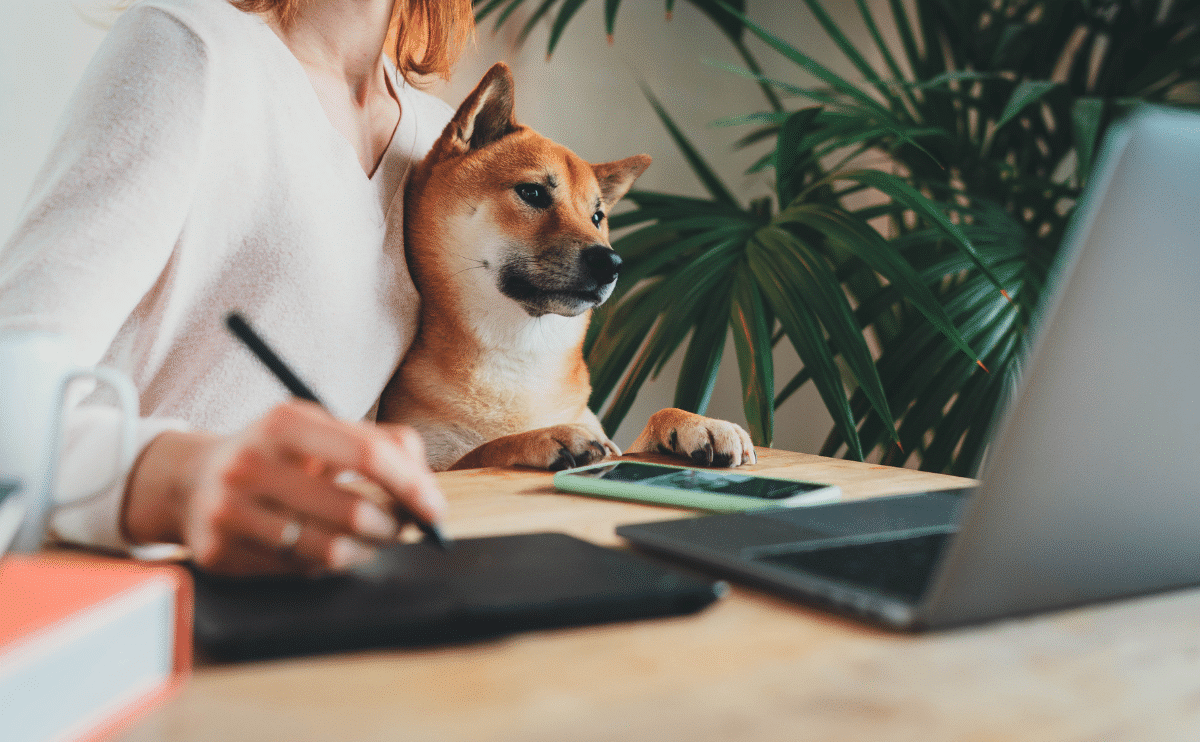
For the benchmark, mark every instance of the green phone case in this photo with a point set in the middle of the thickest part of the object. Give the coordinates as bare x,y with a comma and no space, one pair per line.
570,481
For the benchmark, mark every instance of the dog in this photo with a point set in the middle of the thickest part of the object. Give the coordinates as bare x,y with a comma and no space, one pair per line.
506,235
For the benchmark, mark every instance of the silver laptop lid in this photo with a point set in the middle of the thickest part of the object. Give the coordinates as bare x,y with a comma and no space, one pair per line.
1091,489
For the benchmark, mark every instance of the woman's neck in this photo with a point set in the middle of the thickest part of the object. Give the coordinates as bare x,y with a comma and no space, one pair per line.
340,39
339,43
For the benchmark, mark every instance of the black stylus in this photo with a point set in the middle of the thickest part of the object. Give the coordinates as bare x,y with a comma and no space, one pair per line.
242,330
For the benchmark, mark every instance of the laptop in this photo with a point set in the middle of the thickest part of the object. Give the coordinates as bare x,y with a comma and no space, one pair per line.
1090,490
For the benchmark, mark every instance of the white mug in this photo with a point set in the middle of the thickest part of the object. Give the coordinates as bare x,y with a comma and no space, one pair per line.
35,370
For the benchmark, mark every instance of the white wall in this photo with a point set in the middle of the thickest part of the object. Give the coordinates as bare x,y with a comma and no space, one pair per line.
44,47
587,97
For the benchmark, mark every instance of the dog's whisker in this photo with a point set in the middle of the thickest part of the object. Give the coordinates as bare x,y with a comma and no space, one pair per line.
479,263
482,263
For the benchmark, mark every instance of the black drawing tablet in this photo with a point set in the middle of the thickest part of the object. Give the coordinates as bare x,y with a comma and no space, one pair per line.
415,594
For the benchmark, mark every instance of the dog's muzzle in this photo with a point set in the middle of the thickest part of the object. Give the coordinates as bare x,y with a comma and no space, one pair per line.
566,288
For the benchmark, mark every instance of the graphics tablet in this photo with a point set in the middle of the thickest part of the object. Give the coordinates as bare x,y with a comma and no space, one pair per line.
415,594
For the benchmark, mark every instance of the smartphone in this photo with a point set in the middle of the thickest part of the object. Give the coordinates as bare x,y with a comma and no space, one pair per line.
718,490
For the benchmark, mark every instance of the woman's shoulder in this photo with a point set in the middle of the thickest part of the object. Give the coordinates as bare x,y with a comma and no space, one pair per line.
215,23
428,115
426,104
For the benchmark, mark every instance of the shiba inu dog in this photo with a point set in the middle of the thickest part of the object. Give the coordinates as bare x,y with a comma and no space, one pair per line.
507,240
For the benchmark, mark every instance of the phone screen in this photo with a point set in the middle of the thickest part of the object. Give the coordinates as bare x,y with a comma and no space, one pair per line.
701,480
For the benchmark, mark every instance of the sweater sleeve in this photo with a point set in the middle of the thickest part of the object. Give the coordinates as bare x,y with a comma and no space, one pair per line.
100,224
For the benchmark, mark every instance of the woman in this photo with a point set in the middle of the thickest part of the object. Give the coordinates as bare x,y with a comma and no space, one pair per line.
239,154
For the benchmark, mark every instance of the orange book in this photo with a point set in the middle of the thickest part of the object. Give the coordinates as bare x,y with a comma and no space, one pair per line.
88,644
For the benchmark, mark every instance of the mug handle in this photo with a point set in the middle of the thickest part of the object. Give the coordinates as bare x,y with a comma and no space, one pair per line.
128,398
37,515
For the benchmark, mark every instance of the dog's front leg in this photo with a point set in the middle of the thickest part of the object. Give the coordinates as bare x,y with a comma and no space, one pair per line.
556,447
703,440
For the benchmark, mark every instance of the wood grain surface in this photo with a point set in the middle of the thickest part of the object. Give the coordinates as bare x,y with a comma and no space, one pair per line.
751,667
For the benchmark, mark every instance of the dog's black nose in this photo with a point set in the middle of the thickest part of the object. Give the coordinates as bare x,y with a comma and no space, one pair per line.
602,263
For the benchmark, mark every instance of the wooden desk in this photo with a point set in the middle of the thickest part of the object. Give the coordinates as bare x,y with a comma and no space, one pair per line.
752,667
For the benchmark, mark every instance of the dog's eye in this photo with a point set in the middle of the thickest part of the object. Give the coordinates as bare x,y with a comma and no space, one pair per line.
597,218
534,194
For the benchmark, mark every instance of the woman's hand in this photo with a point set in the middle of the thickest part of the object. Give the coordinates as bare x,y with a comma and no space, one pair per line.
266,501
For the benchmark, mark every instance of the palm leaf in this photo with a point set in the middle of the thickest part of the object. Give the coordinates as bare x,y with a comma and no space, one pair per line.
816,69
610,18
484,8
678,301
534,18
792,144
1087,116
1026,93
804,332
703,171
881,46
919,203
698,373
565,14
811,279
508,11
752,340
727,16
851,52
862,241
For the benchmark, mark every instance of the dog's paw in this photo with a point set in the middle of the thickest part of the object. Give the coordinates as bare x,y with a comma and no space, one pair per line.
556,447
570,446
702,440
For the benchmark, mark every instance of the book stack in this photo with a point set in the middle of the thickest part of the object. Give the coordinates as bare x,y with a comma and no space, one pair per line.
88,644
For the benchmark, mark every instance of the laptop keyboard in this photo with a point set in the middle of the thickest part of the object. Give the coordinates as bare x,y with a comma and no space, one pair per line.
900,567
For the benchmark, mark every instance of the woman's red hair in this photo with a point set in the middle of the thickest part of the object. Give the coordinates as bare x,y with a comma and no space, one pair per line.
426,37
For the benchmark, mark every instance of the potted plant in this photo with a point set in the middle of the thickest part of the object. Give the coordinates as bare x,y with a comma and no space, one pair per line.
986,115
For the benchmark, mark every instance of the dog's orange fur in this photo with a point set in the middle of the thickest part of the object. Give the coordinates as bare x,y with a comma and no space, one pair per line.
496,374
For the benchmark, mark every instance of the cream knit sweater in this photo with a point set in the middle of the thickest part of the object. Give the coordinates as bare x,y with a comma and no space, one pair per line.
195,172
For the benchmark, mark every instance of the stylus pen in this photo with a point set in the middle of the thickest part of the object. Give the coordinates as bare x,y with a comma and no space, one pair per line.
242,330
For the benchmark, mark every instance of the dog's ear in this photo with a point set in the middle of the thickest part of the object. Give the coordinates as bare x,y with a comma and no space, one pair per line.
487,113
616,178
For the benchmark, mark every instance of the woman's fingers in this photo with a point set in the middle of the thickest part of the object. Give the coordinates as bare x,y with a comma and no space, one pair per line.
266,501
294,488
392,458
308,542
280,541
412,449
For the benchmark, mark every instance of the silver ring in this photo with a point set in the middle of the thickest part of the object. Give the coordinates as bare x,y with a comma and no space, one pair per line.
289,538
